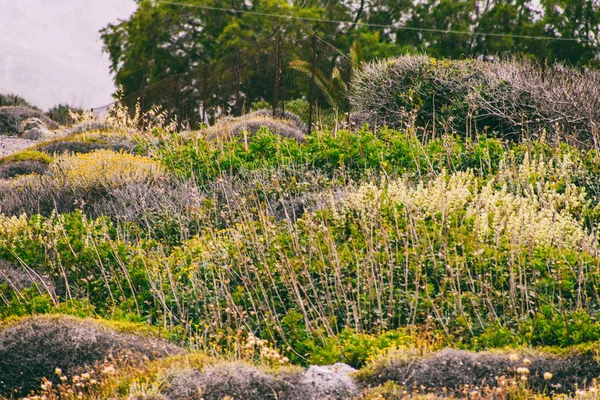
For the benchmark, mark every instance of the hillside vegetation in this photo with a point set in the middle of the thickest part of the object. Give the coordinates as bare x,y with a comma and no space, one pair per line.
439,263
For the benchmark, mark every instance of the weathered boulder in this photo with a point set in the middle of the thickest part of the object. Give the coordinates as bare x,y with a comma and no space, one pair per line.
12,119
330,382
35,129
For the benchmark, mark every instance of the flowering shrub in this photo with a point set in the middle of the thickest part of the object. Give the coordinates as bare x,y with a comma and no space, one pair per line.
71,179
104,167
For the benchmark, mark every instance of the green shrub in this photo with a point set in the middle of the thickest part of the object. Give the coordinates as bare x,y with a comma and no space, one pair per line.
7,99
357,155
348,347
61,114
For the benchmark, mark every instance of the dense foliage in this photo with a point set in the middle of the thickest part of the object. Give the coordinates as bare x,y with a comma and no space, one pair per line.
145,48
485,244
255,241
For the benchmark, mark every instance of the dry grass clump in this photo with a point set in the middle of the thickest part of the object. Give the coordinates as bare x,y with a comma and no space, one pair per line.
454,371
12,118
165,208
236,380
273,189
249,125
33,348
87,126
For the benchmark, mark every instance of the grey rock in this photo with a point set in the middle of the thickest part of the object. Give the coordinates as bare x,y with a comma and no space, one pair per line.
37,134
35,129
32,123
330,382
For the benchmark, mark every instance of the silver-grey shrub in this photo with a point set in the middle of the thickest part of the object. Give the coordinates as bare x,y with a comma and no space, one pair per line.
34,347
286,115
252,123
236,380
450,371
13,117
511,97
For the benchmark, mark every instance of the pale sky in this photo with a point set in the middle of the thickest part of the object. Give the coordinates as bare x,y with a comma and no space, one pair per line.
51,51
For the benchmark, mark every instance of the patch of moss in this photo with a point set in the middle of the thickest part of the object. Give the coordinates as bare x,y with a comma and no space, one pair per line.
27,155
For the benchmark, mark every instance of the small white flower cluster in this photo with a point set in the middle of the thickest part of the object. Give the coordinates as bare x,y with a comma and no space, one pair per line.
532,204
445,194
12,226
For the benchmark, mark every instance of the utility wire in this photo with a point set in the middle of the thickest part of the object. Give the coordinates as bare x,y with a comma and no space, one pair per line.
366,24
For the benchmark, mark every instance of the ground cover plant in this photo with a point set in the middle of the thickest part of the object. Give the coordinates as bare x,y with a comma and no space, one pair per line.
447,265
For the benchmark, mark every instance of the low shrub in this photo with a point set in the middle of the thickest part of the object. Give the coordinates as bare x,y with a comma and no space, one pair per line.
88,142
58,147
24,163
286,115
357,155
236,380
252,123
32,349
450,371
73,178
16,168
8,99
26,155
12,118
513,98
62,114
167,210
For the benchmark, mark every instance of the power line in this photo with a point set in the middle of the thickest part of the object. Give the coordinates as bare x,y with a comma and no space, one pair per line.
366,24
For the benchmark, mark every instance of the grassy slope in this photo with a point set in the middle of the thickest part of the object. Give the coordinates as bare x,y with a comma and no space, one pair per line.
331,250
